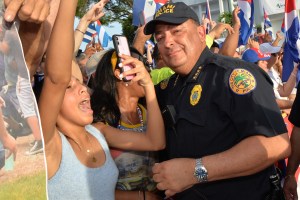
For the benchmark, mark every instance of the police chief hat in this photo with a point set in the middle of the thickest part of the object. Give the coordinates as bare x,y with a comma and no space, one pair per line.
173,13
254,55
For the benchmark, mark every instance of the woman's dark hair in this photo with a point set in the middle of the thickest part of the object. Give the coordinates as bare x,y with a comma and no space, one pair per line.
155,54
103,99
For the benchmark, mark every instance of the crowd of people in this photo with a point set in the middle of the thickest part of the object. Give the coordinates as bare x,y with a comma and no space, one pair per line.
19,113
199,120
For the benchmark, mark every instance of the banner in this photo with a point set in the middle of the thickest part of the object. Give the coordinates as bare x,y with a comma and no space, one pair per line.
275,6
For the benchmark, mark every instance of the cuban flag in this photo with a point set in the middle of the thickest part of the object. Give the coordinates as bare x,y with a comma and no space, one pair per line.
144,10
96,29
292,40
282,26
90,33
102,35
208,16
267,23
246,16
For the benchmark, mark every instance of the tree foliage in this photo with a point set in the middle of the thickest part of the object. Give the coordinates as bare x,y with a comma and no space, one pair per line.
116,11
226,17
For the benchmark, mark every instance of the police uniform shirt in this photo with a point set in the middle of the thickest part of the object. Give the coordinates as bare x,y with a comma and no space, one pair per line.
221,102
294,117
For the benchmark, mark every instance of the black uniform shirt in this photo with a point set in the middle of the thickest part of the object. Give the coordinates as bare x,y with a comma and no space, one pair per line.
295,112
221,102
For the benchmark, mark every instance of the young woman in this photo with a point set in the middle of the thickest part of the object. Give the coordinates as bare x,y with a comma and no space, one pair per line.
79,165
117,103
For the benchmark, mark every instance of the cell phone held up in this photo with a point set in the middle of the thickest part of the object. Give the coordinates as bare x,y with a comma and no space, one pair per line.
121,46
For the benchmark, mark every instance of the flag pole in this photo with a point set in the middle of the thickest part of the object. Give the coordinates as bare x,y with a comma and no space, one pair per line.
221,6
230,5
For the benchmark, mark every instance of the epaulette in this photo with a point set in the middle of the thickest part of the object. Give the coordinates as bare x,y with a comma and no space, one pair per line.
164,84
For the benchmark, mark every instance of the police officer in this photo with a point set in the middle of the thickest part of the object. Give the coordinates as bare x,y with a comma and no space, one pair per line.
224,129
290,184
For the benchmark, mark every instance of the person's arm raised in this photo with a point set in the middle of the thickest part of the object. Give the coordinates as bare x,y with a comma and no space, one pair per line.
95,13
231,42
154,138
139,39
286,89
58,67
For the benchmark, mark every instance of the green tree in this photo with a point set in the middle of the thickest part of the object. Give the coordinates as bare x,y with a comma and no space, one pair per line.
128,29
225,17
116,11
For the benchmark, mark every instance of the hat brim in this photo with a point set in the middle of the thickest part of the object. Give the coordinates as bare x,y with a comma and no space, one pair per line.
150,26
93,61
268,48
264,58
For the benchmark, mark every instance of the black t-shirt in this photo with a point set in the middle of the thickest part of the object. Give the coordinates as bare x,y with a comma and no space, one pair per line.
294,117
221,102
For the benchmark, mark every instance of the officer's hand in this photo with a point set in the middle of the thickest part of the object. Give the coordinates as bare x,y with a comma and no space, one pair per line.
30,10
174,175
290,188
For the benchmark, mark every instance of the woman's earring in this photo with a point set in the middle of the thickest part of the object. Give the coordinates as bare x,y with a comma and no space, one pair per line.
126,84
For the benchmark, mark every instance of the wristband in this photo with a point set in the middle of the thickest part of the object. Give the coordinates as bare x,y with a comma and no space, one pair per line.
79,31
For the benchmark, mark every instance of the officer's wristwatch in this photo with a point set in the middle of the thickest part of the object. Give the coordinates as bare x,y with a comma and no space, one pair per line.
200,171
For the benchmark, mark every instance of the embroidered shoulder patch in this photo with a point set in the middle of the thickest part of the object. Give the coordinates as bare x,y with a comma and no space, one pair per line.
241,81
195,94
163,84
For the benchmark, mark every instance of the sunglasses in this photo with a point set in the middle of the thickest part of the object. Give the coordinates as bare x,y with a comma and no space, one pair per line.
276,54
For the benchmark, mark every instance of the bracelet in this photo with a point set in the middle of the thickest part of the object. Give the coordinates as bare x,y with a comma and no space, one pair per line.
79,31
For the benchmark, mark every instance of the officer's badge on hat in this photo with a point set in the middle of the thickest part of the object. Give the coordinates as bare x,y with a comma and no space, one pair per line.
241,81
164,83
195,95
173,13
